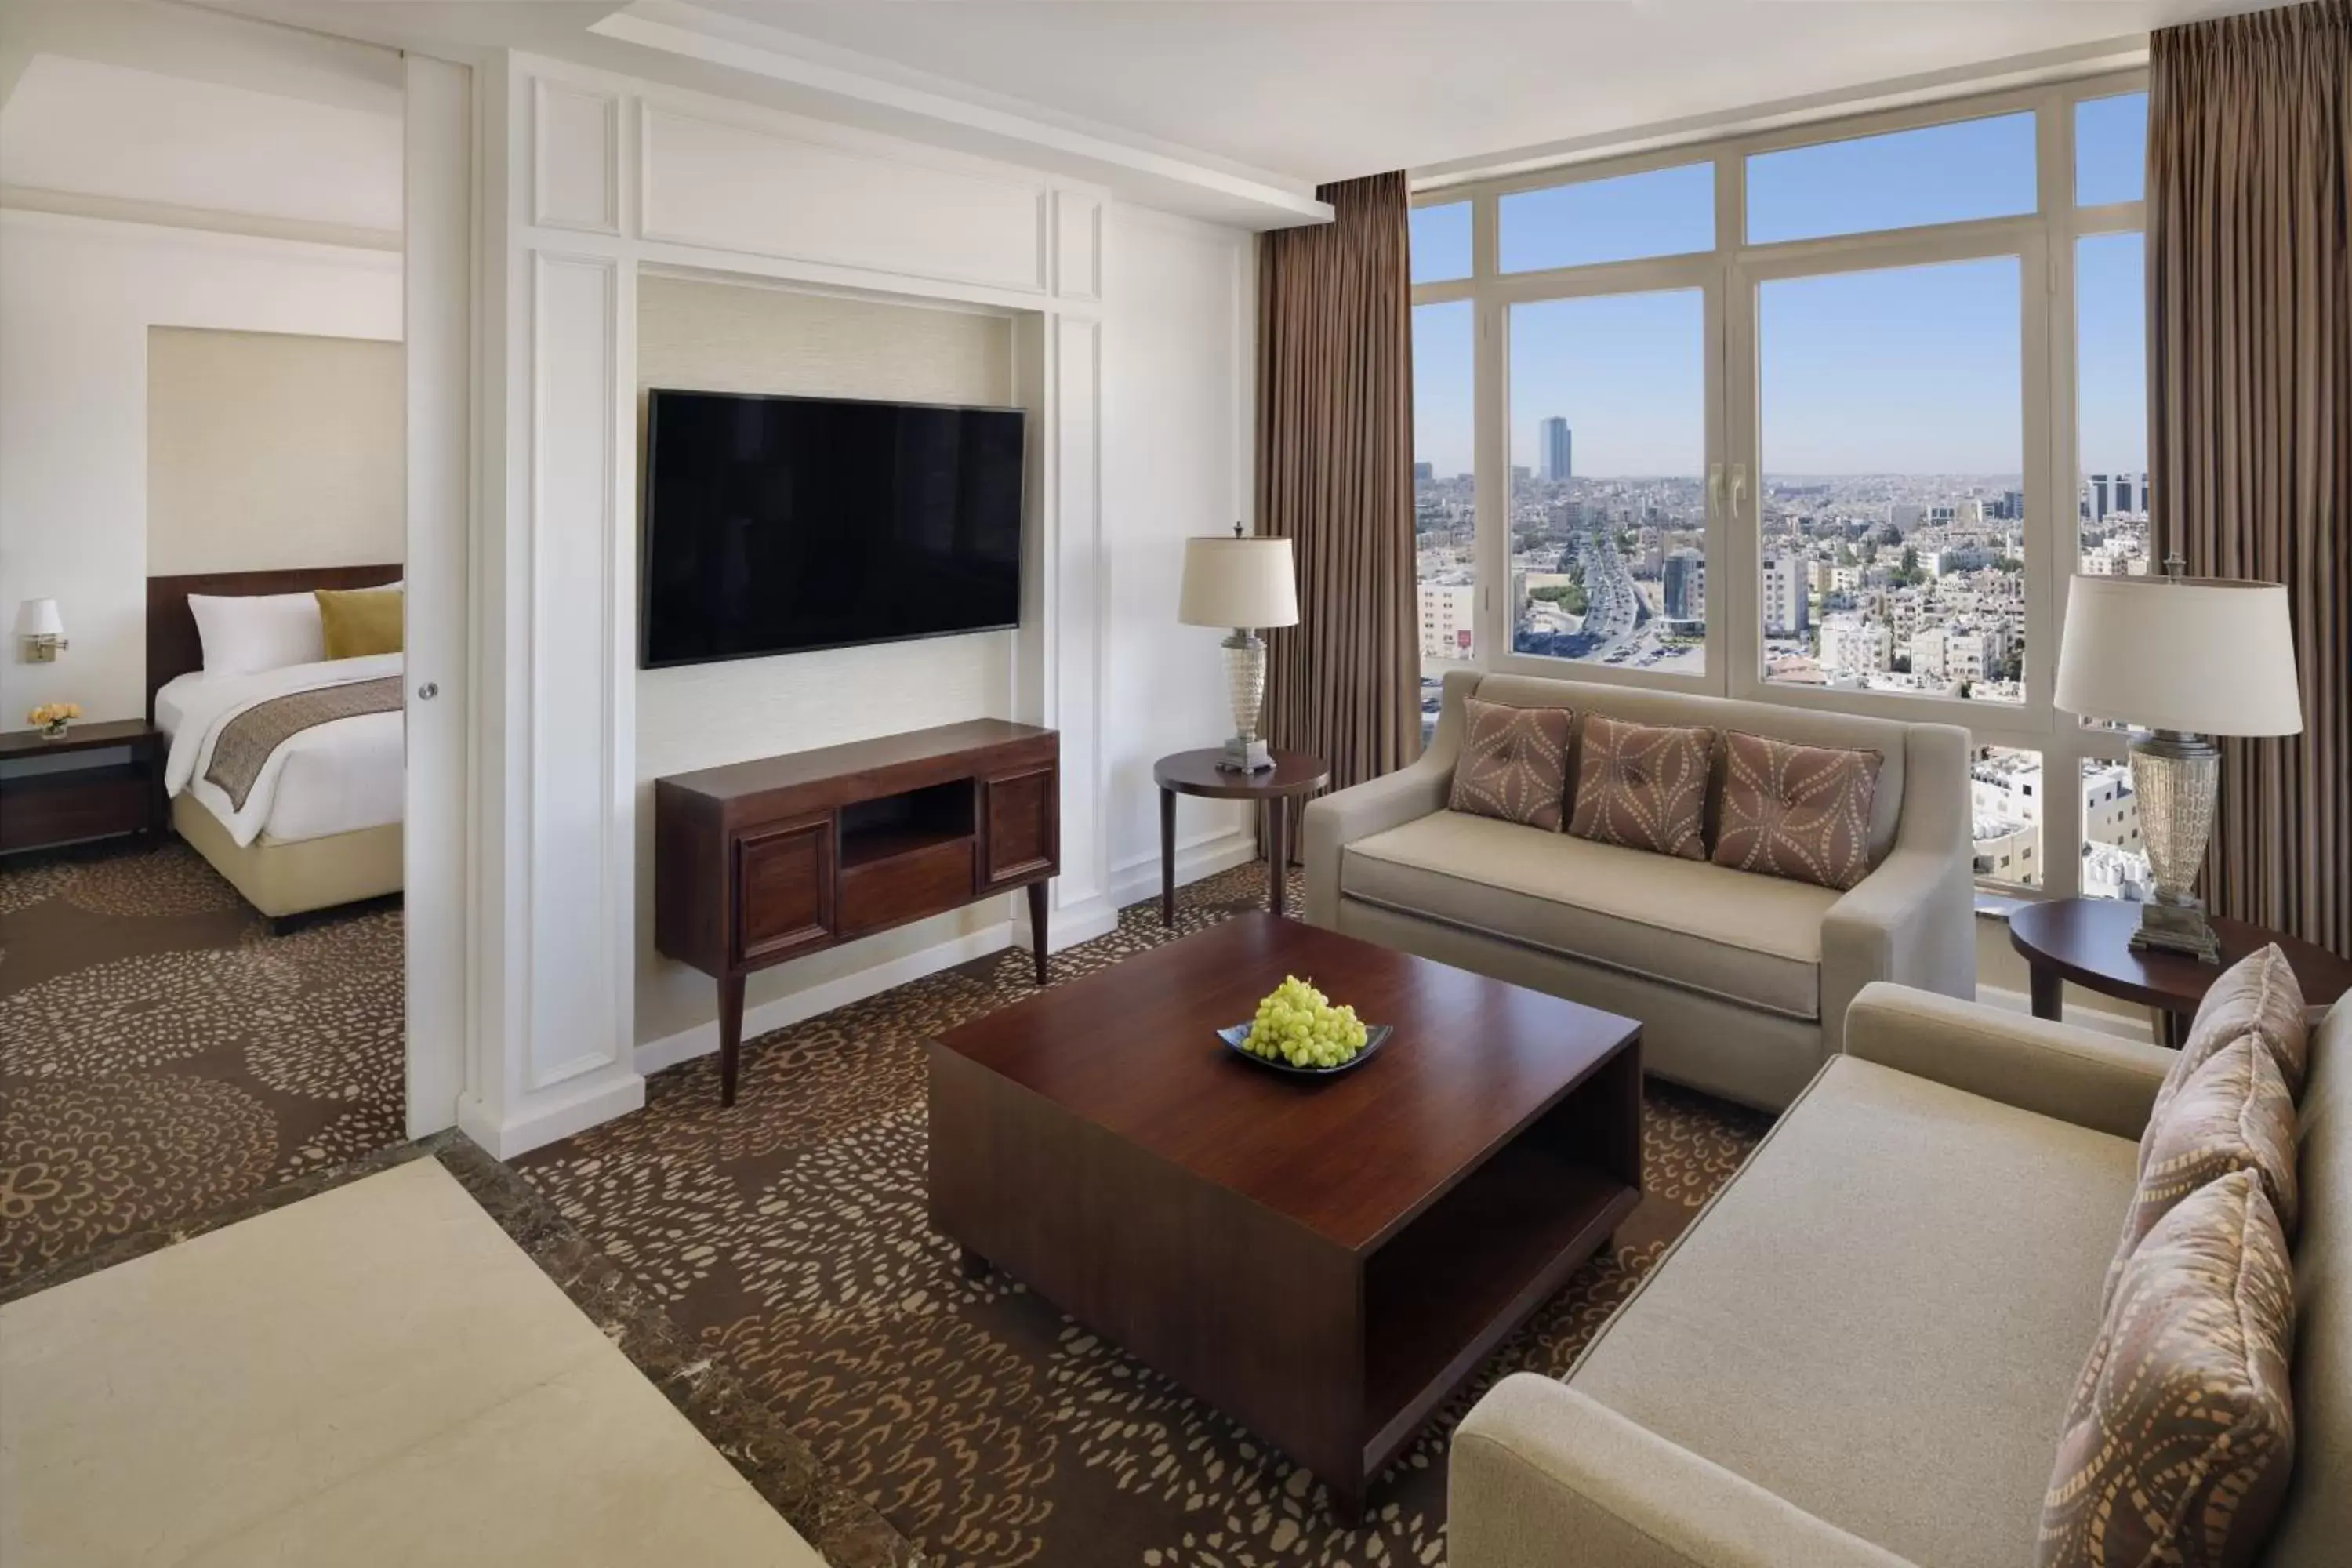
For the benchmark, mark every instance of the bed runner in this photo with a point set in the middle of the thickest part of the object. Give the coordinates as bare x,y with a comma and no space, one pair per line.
246,741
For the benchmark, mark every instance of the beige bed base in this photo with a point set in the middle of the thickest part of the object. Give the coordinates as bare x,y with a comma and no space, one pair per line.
281,878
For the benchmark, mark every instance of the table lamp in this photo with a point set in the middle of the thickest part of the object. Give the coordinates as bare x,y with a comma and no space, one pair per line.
1244,583
2184,660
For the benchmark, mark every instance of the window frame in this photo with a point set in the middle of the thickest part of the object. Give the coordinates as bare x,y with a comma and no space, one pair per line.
2044,243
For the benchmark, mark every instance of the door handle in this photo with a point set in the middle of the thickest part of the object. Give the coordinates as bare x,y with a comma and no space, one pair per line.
1714,491
1739,489
428,692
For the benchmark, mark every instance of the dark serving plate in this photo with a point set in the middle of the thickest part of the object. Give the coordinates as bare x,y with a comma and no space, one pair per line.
1375,1036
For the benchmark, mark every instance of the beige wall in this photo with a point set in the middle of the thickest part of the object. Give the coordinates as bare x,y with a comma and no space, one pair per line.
269,450
725,337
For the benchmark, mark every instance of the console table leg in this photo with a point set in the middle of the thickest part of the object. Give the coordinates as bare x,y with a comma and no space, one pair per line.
1168,859
974,1266
1037,927
731,1034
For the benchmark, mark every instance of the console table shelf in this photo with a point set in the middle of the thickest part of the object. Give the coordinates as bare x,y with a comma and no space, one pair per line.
760,862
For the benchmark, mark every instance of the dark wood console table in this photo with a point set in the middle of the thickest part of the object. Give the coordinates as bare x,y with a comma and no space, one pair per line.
760,862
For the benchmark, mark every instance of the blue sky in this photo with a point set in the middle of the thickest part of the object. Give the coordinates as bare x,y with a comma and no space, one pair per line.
1912,370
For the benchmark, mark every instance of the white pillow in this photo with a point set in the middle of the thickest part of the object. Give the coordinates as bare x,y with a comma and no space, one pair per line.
249,633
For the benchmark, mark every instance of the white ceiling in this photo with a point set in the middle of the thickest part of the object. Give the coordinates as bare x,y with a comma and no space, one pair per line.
1319,89
90,128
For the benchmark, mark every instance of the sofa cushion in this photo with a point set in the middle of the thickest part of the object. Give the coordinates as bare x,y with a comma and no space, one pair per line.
1881,1318
2233,1114
1752,939
1643,787
1796,811
1514,764
2182,1434
2257,995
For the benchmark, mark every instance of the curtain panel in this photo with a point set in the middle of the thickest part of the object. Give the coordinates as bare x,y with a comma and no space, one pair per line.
1334,475
2250,412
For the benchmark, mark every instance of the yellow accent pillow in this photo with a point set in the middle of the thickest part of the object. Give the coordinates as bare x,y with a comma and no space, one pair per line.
359,621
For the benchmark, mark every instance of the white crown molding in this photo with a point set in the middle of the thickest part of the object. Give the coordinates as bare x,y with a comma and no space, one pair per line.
205,220
1143,174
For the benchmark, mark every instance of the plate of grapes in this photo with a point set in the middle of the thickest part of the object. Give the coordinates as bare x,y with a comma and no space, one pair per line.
1299,1031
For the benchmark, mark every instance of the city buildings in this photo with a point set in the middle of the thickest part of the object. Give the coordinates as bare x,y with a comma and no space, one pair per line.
2008,800
1682,588
1788,596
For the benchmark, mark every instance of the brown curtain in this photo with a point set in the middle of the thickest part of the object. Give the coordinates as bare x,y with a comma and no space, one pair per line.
1334,474
2250,406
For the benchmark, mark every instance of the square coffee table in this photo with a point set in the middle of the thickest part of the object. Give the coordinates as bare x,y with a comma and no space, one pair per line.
1326,1260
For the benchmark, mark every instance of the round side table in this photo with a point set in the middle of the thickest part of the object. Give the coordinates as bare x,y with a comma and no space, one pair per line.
2088,942
1295,776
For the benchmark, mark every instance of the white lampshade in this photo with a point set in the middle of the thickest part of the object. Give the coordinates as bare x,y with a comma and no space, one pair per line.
39,618
2208,655
1245,581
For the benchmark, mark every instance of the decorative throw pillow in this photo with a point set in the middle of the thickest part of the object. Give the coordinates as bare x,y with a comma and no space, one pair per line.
1798,812
1514,764
361,621
2181,1436
1643,786
2233,1114
2257,995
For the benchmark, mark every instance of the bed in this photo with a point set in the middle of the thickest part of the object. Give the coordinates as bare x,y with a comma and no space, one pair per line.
301,820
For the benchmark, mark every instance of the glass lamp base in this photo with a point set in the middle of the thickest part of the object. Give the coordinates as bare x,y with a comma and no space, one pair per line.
2177,928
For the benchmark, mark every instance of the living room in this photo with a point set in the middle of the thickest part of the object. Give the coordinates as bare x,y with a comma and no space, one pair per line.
1194,784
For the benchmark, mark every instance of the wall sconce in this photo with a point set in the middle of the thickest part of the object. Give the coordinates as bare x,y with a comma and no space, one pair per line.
42,629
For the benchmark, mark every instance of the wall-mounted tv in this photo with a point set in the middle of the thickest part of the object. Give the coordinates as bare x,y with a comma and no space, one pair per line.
783,524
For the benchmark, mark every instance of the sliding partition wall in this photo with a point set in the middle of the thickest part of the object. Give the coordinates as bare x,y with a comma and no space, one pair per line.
1822,416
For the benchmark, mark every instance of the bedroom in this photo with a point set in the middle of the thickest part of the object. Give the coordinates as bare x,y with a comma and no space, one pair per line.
203,522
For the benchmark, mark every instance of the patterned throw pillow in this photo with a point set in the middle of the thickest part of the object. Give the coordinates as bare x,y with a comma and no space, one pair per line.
2181,1436
1798,812
1514,764
2233,1114
2257,995
1643,786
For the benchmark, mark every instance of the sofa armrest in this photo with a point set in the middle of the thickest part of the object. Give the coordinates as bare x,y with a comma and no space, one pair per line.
1332,822
2052,1070
1544,1477
1913,919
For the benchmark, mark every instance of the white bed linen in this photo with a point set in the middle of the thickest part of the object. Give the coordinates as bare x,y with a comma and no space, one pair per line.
336,777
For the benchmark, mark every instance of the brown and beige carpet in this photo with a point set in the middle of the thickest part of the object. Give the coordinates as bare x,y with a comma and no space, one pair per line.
162,1055
790,1234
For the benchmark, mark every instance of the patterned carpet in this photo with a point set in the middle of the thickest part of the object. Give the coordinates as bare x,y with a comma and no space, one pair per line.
162,1055
790,1234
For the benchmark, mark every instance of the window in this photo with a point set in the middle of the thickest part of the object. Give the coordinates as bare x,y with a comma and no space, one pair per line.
2111,149
1664,212
1439,241
2114,857
1890,519
2005,812
1608,527
1444,520
1938,174
1823,418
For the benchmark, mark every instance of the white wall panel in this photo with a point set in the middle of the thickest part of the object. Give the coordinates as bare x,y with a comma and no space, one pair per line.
575,158
1078,245
737,188
576,1024
1077,606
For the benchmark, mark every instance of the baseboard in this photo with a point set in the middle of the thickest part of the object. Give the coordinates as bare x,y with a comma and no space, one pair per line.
1140,879
2121,1026
556,1114
782,1011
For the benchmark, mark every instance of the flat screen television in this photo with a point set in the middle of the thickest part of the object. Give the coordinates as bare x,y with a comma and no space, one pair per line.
783,524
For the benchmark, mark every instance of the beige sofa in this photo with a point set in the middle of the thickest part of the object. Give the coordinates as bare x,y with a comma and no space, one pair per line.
1862,1349
1740,981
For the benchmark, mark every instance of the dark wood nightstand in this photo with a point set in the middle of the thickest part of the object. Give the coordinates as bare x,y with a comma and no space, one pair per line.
91,794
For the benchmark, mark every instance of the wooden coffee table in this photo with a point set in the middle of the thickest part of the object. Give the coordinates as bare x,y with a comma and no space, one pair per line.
1325,1261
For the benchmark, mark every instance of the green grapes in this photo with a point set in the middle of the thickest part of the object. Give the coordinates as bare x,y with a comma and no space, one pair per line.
1297,1023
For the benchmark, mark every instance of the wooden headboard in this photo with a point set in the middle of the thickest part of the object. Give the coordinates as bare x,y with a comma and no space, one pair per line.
174,650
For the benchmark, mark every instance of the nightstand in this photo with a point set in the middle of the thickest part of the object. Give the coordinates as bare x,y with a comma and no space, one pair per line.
82,786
